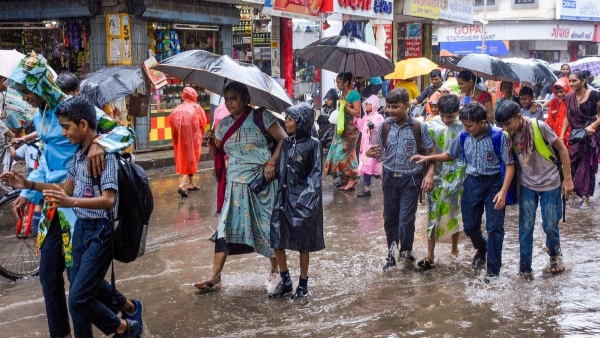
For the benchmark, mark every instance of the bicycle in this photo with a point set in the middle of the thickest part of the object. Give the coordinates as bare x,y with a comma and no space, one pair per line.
18,253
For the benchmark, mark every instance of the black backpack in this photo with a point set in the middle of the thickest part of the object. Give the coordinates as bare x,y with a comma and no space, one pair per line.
135,209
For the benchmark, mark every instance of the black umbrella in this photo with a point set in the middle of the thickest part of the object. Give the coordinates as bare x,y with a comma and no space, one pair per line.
212,71
109,84
485,66
531,71
341,54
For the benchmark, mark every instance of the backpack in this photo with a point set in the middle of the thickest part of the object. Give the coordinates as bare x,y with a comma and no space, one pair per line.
511,195
416,130
257,117
134,212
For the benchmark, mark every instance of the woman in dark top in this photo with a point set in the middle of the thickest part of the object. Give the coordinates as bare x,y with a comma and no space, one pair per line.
583,109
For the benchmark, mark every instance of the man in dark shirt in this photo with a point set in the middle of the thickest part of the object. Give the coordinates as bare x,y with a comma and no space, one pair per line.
436,82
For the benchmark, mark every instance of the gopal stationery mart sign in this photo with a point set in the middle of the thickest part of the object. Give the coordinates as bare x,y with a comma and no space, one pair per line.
517,31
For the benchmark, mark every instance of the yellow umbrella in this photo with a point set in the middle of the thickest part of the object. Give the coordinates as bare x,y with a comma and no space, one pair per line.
410,68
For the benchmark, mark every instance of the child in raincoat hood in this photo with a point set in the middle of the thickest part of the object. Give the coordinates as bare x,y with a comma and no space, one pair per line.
368,167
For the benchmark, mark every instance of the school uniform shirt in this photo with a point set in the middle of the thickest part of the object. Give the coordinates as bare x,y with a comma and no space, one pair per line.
538,115
539,174
29,154
480,155
401,146
84,186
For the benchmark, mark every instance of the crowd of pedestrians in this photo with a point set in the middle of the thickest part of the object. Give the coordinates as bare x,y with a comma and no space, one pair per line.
468,155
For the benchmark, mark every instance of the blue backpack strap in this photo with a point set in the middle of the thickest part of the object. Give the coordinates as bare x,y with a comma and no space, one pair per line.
497,142
463,136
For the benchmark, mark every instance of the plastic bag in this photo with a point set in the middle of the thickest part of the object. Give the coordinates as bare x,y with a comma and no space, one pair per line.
333,117
341,117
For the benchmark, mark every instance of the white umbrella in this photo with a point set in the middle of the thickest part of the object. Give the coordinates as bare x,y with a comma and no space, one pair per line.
9,59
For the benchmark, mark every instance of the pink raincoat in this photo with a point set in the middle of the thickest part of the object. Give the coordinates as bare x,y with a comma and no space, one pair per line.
187,122
368,165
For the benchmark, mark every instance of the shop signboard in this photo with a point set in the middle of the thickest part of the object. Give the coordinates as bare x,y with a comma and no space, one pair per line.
294,9
388,42
579,10
373,9
429,9
413,41
492,47
561,31
118,39
457,10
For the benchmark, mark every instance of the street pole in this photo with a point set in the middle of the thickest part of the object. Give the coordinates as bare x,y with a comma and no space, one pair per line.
484,23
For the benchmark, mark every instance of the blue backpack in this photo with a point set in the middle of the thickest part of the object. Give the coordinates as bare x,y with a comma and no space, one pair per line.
511,195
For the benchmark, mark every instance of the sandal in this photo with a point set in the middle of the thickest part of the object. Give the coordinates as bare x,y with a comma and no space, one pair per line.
349,186
209,285
194,188
556,264
426,263
339,184
182,192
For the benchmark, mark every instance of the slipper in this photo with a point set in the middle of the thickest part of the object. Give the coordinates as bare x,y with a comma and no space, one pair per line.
208,285
182,192
556,264
194,188
425,263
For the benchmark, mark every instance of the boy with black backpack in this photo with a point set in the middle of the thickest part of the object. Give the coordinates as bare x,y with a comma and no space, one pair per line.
485,150
90,295
543,162
402,137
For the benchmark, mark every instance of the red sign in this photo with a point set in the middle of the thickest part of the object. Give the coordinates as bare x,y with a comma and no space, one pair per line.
388,41
412,42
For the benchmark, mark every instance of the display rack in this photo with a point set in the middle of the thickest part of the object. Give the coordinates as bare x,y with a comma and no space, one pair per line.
252,39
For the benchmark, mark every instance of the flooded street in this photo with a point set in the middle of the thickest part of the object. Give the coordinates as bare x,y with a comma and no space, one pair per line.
350,295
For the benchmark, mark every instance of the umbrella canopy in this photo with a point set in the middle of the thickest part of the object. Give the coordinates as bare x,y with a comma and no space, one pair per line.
410,68
10,60
485,66
591,64
341,54
531,71
212,71
109,84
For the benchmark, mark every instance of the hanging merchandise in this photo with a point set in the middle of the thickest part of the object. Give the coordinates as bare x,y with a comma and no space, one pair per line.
369,36
381,38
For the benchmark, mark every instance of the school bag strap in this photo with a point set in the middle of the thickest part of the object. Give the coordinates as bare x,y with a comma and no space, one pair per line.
541,145
416,130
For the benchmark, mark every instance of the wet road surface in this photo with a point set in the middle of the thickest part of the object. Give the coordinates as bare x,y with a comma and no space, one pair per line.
350,295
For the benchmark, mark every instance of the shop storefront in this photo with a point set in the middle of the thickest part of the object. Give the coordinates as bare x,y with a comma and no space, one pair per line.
557,41
64,43
168,37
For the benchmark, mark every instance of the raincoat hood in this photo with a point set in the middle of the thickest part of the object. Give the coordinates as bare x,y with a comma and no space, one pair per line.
563,82
34,74
304,116
374,101
189,95
332,95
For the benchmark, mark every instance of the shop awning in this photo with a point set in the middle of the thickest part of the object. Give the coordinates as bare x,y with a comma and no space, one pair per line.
15,10
198,12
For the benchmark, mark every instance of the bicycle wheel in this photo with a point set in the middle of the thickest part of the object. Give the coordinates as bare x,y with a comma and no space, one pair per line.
18,258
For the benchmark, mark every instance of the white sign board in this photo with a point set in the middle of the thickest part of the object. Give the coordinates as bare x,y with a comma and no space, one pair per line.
518,31
580,10
457,11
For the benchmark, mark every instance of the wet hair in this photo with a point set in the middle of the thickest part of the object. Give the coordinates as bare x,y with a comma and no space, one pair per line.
448,104
526,91
332,95
78,108
435,73
473,112
29,127
507,110
581,76
467,75
67,82
238,88
345,77
397,95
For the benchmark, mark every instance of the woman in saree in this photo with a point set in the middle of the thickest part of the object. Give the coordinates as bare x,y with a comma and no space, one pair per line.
342,162
583,109
244,214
